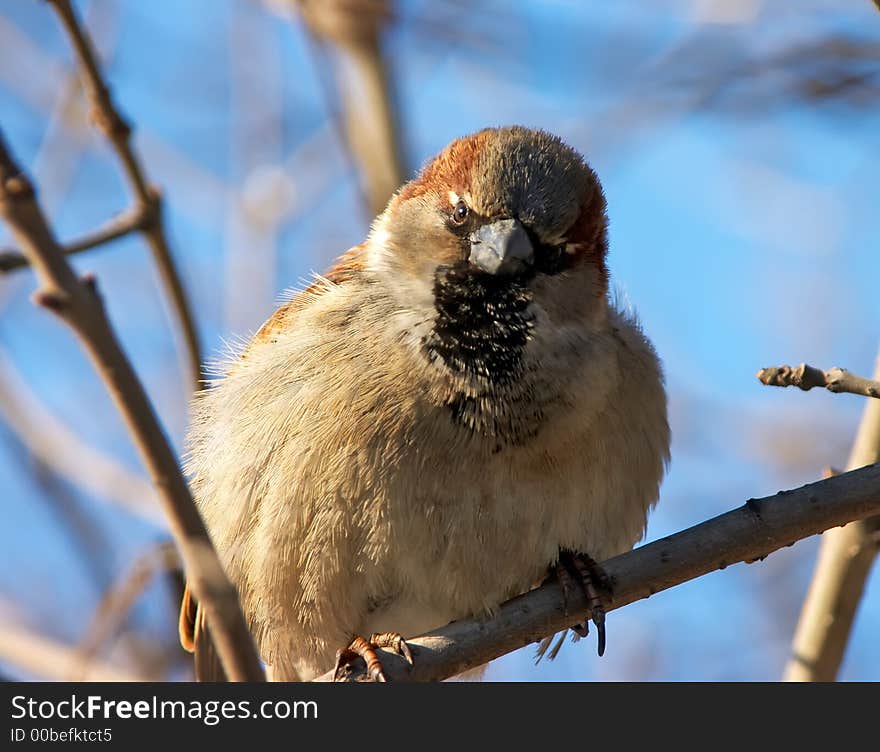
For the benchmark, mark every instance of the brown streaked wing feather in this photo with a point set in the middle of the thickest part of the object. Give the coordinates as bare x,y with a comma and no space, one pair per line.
344,269
195,636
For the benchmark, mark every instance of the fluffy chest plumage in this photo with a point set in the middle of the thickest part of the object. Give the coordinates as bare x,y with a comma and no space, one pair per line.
485,501
345,488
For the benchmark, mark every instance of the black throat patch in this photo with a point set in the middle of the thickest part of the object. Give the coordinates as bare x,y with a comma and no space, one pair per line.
482,324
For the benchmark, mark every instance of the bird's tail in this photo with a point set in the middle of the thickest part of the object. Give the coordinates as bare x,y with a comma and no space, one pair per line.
195,636
544,646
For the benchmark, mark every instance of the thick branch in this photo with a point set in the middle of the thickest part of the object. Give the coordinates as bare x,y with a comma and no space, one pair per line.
118,132
132,220
748,534
806,377
77,303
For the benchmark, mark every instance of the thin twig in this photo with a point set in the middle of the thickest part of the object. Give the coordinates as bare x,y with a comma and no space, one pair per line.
78,304
807,377
131,220
746,534
118,132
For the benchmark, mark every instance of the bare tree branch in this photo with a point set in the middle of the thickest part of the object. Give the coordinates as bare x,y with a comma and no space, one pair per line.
806,377
148,198
77,303
747,534
845,561
135,219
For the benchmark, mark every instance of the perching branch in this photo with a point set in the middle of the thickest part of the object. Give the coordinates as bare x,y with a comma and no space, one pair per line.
806,377
78,304
148,198
747,534
135,219
845,561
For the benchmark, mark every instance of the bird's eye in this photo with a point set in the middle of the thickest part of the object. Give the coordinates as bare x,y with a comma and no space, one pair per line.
460,212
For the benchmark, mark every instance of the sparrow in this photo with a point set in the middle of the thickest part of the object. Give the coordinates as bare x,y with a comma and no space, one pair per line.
455,411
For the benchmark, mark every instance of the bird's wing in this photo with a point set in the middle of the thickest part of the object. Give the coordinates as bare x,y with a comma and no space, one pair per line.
345,269
195,635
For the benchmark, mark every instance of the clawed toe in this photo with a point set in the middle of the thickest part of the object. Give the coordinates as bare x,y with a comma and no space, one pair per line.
361,648
591,578
394,642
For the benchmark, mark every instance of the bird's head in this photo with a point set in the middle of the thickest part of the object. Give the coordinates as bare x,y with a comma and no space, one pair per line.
504,231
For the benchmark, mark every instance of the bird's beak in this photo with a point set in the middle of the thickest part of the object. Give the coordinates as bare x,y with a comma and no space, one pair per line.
502,247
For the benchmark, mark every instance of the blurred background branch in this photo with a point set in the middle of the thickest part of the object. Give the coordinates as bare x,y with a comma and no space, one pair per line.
44,658
117,603
135,219
369,116
59,448
845,560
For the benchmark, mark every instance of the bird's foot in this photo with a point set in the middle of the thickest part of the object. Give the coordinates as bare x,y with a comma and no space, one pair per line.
366,649
592,579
